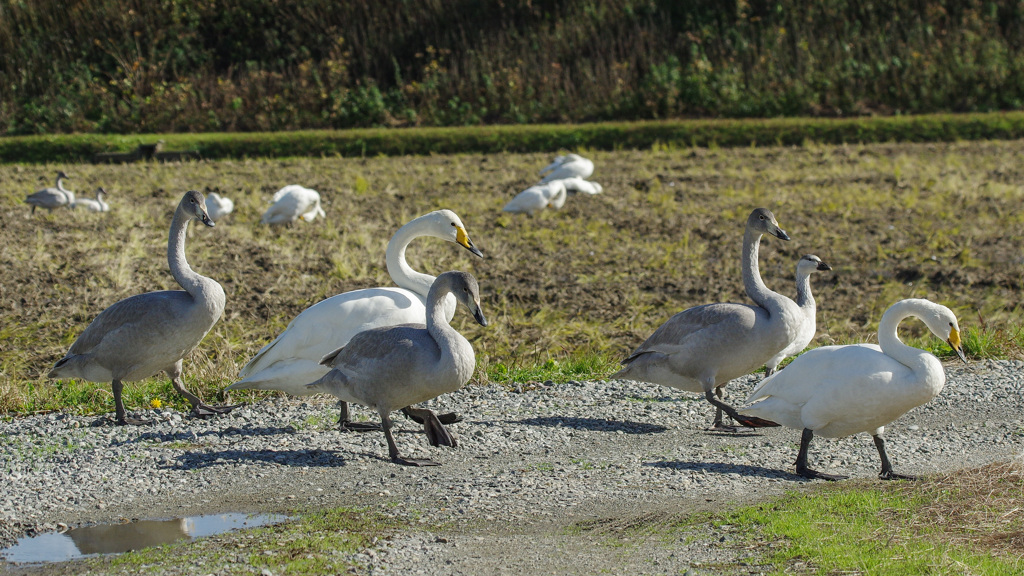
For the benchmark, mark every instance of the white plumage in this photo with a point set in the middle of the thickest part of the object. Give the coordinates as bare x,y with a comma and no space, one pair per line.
578,184
836,391
806,266
218,206
567,166
537,198
293,203
97,205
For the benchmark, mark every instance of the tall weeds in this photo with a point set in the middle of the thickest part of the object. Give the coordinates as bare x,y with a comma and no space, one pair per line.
227,65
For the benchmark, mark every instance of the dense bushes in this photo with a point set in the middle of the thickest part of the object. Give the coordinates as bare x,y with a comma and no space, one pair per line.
244,65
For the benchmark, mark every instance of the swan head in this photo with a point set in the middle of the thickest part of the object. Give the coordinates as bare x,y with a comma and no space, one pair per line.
446,225
466,290
810,263
763,221
100,192
195,207
62,176
942,322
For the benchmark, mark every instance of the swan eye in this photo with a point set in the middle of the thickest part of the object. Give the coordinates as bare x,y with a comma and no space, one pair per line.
453,224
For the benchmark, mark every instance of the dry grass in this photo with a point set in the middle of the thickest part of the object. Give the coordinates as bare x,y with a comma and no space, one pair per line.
940,221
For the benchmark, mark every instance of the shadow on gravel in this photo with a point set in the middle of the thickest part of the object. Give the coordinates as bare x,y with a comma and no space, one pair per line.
317,458
594,424
718,468
192,436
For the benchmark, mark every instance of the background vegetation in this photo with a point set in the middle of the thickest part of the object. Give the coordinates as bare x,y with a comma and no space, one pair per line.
241,65
569,293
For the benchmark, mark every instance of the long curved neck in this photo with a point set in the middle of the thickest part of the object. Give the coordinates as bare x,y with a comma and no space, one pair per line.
804,299
188,279
890,342
752,282
400,271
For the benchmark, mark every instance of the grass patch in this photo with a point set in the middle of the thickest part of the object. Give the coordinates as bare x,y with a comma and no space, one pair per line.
323,542
965,522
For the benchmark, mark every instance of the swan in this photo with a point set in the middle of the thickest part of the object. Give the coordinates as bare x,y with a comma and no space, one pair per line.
805,266
148,333
578,184
51,198
702,348
537,198
292,360
97,205
292,203
218,206
389,367
567,166
836,391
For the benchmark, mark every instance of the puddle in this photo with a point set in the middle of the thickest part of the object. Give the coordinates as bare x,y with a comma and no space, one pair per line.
117,538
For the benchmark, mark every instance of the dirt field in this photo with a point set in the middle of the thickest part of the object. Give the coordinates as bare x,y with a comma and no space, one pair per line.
940,221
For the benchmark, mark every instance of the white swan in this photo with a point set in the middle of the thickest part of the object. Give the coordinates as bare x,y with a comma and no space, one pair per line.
97,205
292,360
836,391
702,348
806,266
537,198
51,198
567,166
148,333
293,203
578,184
389,367
218,206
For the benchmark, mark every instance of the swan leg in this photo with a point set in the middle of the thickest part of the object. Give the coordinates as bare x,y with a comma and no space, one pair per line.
199,408
120,415
447,418
748,421
437,434
347,425
801,460
386,424
887,473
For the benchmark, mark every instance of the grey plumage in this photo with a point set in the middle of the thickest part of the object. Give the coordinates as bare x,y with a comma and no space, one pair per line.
51,198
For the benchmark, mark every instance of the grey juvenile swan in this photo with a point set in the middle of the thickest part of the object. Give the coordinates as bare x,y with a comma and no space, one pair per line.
148,333
389,367
51,198
702,348
805,266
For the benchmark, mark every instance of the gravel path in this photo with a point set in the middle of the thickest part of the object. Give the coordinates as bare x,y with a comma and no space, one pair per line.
535,468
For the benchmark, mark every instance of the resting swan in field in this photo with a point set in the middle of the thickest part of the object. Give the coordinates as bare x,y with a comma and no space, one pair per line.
836,391
537,198
97,205
389,367
292,360
702,348
51,198
806,266
567,166
218,206
148,333
293,203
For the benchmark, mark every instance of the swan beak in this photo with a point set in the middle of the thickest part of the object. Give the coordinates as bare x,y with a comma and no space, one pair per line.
463,240
823,266
206,220
954,343
478,315
780,233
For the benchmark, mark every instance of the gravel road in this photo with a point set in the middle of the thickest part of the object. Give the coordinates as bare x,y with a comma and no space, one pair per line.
542,474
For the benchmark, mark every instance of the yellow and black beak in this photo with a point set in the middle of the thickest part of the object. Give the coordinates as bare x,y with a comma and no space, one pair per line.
955,344
462,238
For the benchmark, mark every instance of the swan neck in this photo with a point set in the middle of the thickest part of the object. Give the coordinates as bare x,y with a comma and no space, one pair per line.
752,282
182,272
804,298
889,341
401,273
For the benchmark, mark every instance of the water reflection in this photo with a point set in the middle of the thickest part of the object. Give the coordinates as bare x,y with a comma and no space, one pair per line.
118,538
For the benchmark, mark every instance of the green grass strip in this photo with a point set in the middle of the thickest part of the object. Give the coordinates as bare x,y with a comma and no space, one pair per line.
530,138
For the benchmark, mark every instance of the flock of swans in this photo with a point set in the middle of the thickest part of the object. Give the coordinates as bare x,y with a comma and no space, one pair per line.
390,348
566,174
